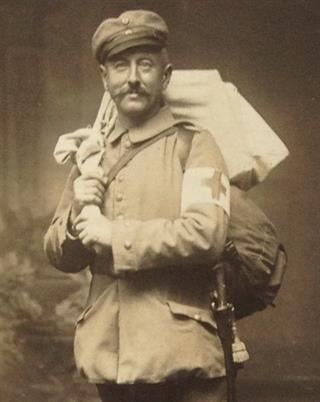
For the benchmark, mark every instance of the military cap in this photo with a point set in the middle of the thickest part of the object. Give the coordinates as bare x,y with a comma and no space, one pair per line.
130,29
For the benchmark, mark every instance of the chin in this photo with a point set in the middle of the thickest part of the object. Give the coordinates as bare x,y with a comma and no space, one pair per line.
134,110
139,108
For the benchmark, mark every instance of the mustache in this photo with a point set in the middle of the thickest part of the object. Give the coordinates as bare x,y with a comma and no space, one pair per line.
127,89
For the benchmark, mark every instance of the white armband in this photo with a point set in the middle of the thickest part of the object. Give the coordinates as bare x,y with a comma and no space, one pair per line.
205,185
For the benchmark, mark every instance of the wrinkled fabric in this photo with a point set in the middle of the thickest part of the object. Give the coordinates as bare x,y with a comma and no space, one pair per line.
256,261
248,144
254,237
148,315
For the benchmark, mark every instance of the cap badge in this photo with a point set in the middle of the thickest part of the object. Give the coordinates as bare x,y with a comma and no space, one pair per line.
125,21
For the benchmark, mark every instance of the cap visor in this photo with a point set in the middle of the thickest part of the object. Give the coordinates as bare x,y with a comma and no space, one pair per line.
130,44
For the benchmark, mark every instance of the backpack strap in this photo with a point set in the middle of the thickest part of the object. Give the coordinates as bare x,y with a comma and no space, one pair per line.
126,157
184,142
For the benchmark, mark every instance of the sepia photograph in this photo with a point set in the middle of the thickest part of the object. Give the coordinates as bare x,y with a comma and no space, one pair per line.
159,201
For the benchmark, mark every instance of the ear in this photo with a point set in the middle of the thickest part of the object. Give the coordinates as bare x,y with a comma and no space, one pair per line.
104,76
167,72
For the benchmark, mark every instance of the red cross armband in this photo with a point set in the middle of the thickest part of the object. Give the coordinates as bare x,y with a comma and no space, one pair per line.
205,185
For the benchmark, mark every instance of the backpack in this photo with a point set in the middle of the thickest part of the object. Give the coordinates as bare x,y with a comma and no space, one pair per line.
255,260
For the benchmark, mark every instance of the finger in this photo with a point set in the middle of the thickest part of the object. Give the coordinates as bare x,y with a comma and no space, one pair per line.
85,195
88,199
94,174
91,199
84,182
88,188
87,241
93,184
80,225
84,237
93,193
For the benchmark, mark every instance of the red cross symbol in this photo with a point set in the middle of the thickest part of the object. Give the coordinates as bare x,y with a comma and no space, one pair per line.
214,183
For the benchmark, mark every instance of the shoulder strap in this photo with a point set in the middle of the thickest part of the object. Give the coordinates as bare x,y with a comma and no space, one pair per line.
184,142
126,157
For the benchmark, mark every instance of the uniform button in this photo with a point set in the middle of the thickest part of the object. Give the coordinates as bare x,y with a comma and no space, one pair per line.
197,317
128,32
120,178
120,216
127,245
119,197
127,144
125,21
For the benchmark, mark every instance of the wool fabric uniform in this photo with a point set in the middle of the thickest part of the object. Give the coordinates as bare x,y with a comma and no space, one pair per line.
148,315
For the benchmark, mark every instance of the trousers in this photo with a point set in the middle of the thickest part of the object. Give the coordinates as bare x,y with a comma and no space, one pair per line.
191,390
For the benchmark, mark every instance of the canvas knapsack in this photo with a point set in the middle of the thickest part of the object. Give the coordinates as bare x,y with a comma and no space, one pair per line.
255,260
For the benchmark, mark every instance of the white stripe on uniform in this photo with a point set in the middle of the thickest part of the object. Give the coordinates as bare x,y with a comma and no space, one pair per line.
205,185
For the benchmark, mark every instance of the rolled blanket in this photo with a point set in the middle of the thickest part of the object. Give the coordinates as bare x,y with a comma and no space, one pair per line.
250,147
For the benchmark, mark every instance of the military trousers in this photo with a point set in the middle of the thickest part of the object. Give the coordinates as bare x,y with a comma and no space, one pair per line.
192,390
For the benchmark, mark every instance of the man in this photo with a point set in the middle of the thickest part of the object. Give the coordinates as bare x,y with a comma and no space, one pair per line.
147,333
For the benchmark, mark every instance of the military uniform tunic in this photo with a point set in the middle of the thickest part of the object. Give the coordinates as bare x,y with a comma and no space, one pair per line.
148,316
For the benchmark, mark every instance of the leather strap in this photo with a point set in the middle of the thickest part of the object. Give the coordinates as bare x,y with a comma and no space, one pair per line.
184,142
126,157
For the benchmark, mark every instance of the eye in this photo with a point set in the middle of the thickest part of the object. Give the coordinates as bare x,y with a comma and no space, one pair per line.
119,65
145,64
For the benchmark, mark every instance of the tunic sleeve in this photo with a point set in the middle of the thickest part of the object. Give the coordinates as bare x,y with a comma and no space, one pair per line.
64,252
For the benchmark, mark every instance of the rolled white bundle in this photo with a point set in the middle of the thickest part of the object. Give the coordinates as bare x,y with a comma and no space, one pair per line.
86,148
250,147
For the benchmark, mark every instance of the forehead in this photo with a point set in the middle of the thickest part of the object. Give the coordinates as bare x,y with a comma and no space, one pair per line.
137,52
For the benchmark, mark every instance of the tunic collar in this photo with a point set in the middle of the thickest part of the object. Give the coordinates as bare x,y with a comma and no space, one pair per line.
158,123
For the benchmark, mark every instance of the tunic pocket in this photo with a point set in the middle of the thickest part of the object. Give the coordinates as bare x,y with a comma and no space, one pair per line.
99,290
184,311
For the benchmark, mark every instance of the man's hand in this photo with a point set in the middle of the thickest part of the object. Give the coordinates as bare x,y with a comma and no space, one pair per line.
88,189
93,230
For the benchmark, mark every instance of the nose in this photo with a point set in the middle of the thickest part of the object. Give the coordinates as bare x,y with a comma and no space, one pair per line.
133,79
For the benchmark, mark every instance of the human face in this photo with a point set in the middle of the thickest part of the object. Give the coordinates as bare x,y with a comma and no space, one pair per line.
136,79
